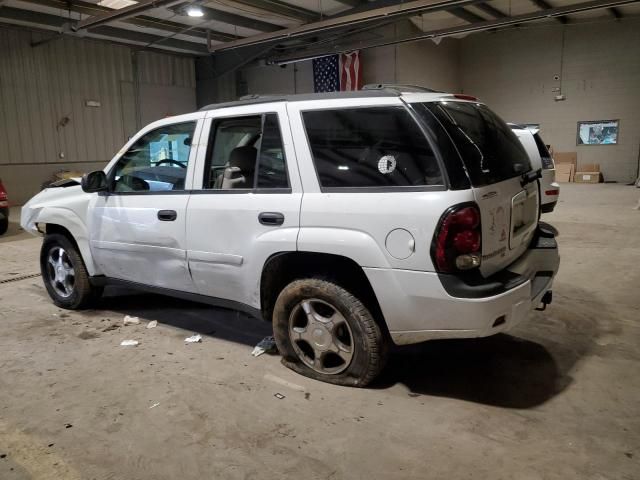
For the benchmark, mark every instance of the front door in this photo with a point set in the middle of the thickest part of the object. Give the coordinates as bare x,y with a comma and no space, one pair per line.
138,227
245,206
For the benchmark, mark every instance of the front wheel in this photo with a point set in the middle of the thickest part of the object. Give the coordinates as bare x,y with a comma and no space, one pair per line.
4,226
326,333
65,275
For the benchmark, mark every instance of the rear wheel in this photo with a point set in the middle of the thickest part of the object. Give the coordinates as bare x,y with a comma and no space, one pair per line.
325,332
4,226
65,275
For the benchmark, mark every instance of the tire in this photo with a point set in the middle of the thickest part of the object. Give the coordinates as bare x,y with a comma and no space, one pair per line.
4,226
349,350
59,254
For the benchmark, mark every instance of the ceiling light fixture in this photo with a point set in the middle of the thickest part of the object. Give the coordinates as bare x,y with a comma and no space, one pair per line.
195,11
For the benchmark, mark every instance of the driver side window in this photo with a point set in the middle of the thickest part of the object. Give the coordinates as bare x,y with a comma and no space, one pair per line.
156,162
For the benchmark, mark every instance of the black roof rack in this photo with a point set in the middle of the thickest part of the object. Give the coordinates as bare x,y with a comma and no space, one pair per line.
399,88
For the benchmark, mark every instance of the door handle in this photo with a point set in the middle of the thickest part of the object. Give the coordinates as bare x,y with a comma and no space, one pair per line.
271,219
167,215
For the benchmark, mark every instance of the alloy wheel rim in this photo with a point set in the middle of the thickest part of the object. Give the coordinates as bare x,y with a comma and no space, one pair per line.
321,336
62,275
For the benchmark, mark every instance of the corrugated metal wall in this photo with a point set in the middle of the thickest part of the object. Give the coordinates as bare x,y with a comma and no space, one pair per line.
45,123
43,116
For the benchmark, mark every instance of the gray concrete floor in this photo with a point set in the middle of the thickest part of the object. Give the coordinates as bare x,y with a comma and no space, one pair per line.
558,398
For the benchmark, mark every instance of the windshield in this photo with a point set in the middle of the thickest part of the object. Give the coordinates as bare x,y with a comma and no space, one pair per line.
490,150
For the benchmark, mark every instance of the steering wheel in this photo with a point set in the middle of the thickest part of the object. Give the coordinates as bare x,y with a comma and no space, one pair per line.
169,161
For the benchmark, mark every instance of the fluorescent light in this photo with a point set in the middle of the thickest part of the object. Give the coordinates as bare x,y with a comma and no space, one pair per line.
116,4
195,11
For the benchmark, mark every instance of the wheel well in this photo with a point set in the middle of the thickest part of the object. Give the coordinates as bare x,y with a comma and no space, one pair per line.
283,268
60,230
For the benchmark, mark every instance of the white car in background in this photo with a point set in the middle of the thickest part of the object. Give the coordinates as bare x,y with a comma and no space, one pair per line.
540,159
349,220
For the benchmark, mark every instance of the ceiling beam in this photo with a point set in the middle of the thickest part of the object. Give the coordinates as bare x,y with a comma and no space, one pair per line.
388,13
282,9
122,13
493,11
230,18
86,8
544,5
353,3
466,15
115,34
616,13
336,47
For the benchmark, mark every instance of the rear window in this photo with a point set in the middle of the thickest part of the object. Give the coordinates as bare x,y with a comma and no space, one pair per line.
490,150
547,162
370,147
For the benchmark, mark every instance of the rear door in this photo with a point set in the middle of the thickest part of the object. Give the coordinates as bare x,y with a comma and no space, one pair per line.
245,205
495,162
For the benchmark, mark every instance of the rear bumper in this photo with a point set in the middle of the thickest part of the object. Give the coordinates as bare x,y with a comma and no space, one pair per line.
548,207
420,306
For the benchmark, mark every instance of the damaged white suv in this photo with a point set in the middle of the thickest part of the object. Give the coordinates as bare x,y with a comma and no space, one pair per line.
349,220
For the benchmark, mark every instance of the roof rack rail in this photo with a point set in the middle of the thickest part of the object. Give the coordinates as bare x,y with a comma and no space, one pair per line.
399,88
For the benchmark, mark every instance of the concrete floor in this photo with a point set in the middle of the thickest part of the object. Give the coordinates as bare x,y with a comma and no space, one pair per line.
559,398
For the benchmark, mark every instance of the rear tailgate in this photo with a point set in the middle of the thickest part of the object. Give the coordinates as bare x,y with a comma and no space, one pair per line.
509,214
496,163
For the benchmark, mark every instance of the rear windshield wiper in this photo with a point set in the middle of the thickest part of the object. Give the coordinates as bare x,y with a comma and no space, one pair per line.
531,176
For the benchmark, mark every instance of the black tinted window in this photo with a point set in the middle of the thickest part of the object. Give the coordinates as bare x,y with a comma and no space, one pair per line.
545,156
490,150
370,147
272,172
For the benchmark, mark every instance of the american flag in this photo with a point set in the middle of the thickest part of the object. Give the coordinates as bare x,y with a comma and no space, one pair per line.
337,72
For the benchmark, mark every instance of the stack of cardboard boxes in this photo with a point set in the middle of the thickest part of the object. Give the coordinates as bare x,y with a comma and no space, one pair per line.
567,169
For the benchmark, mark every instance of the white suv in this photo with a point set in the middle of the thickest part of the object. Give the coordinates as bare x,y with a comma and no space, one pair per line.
349,220
540,159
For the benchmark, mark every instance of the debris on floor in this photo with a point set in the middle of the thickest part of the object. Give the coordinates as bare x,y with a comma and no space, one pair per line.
129,343
128,320
154,406
152,324
279,396
266,345
197,338
113,326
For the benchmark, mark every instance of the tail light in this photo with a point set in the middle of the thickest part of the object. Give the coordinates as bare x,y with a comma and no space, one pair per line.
462,96
3,196
457,242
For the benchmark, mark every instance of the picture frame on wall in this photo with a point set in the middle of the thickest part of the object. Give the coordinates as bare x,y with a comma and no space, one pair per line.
598,132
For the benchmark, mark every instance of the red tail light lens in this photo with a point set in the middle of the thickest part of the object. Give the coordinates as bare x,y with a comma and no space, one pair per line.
457,242
3,193
462,96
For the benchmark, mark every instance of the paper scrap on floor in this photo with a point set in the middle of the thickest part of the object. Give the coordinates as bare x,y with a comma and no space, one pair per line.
266,345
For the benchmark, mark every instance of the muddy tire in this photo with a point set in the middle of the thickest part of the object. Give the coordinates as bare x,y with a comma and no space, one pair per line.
4,226
326,333
65,275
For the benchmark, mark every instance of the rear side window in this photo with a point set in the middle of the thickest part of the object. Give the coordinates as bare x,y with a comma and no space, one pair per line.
490,151
370,147
547,162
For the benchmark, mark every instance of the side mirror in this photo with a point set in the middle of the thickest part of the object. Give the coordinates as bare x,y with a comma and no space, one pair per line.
94,182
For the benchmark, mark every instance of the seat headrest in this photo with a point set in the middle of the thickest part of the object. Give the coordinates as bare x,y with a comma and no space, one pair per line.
244,158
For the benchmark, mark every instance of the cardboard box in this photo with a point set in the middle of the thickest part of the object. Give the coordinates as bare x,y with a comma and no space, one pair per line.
590,167
564,172
588,177
566,158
